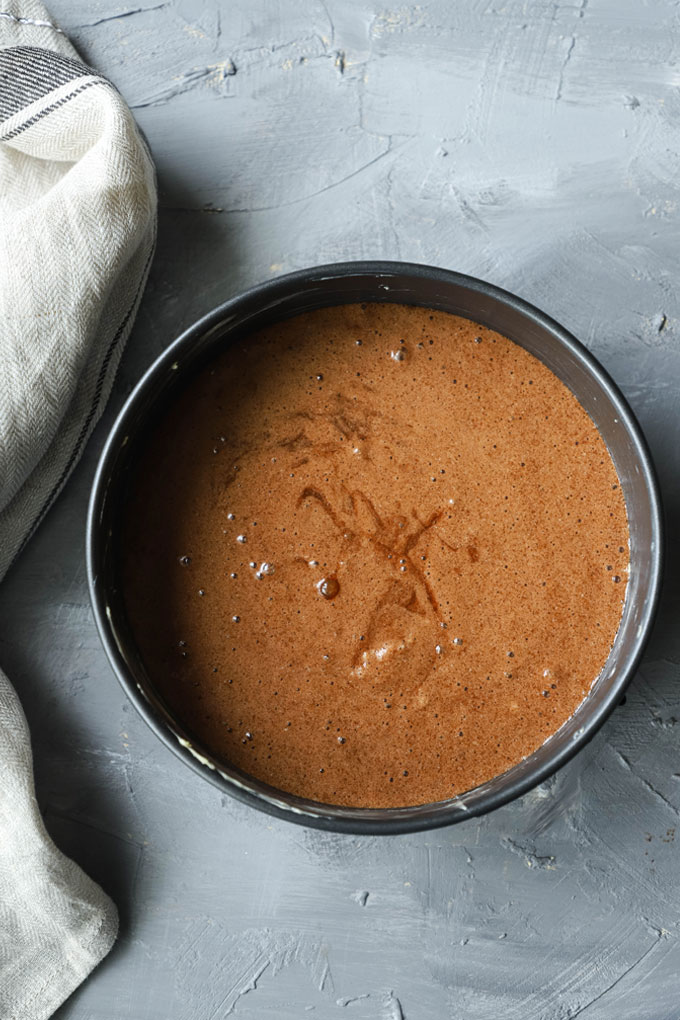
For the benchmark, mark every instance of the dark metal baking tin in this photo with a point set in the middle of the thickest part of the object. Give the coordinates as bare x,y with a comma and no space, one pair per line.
415,285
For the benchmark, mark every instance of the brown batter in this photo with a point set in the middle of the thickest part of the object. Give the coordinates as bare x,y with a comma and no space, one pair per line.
376,555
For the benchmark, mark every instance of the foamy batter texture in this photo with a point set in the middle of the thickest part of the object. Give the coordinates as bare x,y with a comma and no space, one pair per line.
375,555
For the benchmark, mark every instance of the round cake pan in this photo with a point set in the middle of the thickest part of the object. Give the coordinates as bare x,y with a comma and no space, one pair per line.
413,285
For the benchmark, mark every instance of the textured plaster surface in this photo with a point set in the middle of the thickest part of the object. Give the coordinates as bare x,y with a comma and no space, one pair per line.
535,144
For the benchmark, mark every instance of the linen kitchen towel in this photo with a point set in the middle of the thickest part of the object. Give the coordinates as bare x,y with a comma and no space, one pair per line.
77,232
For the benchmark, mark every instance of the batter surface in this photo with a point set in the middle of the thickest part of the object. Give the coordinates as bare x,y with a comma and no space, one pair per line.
375,555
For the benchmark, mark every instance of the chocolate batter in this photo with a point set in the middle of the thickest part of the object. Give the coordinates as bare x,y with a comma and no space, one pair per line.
375,555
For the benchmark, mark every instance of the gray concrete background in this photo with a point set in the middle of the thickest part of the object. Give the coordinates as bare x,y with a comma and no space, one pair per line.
537,145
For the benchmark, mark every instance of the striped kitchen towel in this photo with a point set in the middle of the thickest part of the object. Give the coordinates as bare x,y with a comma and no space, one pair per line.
77,231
